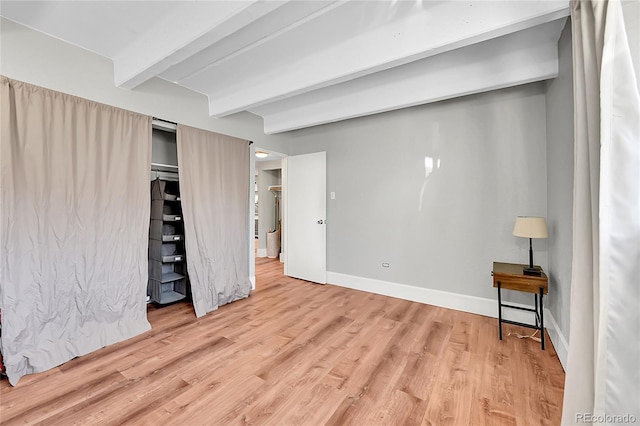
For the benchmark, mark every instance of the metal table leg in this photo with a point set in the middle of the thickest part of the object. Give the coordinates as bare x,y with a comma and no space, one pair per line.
541,319
500,309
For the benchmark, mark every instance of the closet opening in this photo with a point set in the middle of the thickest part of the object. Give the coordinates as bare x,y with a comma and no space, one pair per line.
168,281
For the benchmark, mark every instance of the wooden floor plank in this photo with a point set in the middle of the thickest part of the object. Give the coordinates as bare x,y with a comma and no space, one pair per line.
298,353
42,408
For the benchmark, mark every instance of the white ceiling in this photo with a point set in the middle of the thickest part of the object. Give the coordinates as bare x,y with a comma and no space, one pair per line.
302,63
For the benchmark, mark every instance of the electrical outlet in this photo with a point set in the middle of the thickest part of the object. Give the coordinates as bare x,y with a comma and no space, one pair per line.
385,265
333,195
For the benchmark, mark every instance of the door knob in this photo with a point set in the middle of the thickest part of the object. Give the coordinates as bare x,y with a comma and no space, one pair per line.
320,222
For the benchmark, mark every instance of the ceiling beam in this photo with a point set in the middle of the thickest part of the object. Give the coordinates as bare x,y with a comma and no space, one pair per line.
522,57
358,39
249,37
191,28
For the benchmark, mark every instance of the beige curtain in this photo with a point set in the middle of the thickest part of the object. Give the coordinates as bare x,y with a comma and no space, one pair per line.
214,187
74,210
603,378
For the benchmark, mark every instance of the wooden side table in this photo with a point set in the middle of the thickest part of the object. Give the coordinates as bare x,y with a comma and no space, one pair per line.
509,276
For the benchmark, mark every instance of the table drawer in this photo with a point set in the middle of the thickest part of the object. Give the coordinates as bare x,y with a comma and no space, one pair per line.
529,284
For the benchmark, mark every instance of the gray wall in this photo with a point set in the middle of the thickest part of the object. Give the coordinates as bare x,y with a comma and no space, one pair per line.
631,13
559,114
164,149
442,231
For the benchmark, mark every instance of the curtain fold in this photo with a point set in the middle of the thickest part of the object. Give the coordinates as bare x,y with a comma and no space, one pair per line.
74,211
214,188
603,378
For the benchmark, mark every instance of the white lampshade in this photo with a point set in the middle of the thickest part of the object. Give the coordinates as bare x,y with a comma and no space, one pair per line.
530,227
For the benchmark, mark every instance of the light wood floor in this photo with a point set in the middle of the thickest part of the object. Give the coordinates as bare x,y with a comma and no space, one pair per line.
299,353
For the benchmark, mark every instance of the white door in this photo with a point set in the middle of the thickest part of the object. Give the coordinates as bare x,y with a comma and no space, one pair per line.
304,199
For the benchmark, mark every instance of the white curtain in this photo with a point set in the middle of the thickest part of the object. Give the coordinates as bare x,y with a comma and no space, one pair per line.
603,374
214,187
74,211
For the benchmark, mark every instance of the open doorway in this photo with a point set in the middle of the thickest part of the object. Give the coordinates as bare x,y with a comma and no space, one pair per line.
268,209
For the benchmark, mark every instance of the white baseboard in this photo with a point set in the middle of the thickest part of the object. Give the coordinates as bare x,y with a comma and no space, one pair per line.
444,299
457,301
262,252
558,339
253,282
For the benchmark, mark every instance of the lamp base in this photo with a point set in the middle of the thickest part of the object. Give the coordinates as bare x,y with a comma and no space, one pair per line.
532,271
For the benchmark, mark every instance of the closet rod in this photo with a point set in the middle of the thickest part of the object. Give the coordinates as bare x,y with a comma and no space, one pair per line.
171,166
164,171
166,121
158,168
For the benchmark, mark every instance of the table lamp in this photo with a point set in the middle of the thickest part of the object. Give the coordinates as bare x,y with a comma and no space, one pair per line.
530,227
